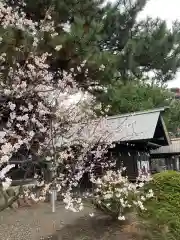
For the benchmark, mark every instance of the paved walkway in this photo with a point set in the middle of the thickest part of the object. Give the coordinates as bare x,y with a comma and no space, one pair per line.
38,222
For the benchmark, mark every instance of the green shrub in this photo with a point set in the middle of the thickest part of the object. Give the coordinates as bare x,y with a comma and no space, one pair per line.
162,218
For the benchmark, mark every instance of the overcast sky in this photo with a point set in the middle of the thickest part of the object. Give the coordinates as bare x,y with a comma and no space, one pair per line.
168,10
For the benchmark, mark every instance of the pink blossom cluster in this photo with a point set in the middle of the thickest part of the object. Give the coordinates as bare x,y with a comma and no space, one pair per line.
116,194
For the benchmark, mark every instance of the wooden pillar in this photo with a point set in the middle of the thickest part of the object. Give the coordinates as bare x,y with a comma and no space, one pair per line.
150,165
167,162
173,163
177,163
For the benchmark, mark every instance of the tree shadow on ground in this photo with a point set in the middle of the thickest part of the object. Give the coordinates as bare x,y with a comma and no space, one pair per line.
86,228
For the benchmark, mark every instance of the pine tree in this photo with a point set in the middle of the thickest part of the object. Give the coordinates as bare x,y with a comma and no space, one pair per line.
146,51
78,25
106,47
108,35
142,47
132,97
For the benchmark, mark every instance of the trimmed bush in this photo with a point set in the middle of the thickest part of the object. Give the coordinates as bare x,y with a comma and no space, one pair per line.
162,218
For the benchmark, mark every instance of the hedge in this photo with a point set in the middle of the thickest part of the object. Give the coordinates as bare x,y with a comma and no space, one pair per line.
162,218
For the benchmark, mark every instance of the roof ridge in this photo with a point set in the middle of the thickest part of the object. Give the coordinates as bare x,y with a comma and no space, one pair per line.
162,109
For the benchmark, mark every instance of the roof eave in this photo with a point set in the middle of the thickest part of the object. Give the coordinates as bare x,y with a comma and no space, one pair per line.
165,131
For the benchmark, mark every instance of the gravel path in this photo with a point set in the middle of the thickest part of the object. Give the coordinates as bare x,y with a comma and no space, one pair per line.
34,222
38,222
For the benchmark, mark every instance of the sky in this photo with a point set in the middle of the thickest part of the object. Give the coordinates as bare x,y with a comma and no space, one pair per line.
168,10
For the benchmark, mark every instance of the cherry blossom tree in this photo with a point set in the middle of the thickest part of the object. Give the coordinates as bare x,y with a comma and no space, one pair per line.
40,119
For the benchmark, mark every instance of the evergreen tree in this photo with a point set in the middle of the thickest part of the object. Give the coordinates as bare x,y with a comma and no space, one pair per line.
134,96
172,118
105,48
78,26
107,36
144,49
147,54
